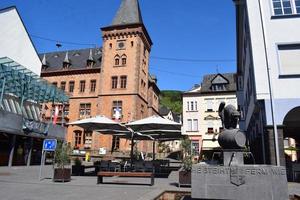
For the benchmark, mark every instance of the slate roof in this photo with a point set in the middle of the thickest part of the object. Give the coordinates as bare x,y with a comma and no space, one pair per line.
163,110
78,59
128,13
207,82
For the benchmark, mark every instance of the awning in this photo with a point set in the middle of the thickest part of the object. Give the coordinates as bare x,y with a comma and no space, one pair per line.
18,80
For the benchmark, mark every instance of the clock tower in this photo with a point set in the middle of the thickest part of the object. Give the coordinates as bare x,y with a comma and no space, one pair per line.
125,80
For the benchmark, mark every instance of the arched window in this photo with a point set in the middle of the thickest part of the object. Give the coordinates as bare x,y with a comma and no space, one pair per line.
124,59
117,60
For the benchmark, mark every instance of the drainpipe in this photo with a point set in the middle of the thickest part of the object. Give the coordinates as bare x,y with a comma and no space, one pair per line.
273,112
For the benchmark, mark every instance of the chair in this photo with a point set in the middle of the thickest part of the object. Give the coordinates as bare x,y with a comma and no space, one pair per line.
139,167
114,166
104,165
148,166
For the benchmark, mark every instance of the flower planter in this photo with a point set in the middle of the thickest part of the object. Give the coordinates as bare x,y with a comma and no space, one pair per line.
77,170
62,175
185,178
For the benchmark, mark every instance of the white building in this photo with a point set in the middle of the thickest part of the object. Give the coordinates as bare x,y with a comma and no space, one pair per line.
15,42
22,91
201,121
268,46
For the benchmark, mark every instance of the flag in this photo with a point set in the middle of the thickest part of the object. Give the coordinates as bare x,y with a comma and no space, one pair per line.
56,111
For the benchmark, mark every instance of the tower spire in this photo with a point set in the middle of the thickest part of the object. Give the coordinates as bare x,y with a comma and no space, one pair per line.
128,13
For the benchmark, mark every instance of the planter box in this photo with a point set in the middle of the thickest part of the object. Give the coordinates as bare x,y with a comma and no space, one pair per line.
62,175
77,170
185,178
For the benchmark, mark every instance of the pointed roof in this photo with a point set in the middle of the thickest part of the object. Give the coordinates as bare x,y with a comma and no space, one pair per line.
128,13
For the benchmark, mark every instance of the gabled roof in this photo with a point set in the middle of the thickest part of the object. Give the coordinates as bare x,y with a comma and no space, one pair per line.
206,86
78,57
128,13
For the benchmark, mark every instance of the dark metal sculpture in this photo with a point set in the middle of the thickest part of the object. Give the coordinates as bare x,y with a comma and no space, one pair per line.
231,137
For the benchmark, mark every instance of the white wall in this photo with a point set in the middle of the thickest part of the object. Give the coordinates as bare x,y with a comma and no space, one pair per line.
15,42
277,31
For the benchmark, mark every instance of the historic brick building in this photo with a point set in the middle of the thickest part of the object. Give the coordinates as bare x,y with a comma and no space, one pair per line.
113,80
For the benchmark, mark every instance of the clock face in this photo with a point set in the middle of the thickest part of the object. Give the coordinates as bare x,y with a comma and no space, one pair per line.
121,45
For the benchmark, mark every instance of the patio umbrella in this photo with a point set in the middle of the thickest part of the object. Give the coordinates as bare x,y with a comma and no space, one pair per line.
158,128
101,124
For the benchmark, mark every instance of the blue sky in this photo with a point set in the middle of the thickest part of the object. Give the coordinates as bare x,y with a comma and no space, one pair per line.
199,34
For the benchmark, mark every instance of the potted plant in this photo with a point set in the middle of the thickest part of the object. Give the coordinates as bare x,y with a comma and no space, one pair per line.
77,168
62,173
185,171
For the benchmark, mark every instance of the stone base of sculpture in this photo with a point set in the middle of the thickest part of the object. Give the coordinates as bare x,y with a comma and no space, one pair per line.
244,182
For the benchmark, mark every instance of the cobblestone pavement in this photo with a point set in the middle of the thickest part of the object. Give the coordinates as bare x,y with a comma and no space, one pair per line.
21,183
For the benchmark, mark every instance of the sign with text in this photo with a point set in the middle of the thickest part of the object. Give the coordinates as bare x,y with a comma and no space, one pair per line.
49,144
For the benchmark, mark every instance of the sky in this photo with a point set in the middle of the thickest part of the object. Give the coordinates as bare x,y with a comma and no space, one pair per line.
191,38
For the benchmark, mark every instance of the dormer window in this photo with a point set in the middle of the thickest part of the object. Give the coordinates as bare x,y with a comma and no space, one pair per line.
90,63
67,61
66,65
218,87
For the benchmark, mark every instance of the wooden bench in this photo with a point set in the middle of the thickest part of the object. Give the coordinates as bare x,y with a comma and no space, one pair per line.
102,174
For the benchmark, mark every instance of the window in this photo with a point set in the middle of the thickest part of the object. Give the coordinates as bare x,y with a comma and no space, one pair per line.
142,110
196,106
123,61
82,86
93,85
192,105
78,135
55,84
114,82
218,87
117,110
209,105
195,124
85,110
123,81
116,142
286,7
63,85
195,147
117,61
289,58
88,137
189,125
71,86
210,130
66,110
188,105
